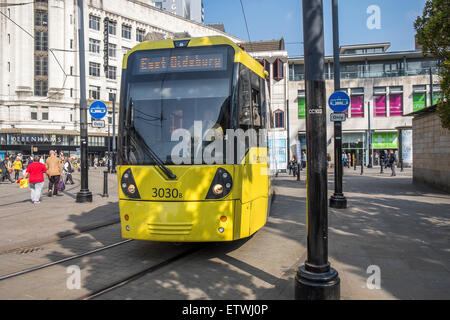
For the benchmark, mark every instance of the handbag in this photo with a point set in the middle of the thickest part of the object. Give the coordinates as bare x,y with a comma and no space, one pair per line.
23,184
61,185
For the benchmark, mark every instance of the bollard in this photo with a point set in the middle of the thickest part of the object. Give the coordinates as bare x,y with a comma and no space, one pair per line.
382,165
105,184
298,172
401,166
354,164
362,167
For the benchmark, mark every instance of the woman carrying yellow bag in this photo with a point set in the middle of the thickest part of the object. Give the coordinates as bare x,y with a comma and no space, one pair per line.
36,172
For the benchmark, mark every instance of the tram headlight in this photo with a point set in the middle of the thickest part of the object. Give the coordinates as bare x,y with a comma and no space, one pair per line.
218,189
132,188
221,185
128,185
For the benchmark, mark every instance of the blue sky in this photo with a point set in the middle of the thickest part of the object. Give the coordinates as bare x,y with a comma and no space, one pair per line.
273,19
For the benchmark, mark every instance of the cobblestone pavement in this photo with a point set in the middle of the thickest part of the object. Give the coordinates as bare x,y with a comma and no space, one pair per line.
400,227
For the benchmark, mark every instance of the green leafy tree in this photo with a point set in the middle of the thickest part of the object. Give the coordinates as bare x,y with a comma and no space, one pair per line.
433,33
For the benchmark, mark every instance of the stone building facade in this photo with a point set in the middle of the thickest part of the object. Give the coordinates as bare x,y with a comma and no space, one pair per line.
431,149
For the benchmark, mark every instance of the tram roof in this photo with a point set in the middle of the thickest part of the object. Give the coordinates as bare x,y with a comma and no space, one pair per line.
240,55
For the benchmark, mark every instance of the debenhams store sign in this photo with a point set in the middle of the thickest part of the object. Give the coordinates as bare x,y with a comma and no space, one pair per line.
35,139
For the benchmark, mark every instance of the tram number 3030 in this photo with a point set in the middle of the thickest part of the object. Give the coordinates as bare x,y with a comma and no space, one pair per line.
166,193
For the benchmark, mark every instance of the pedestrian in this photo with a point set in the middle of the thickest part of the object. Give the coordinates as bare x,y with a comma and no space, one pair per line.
349,158
329,160
344,159
17,165
54,169
392,162
304,159
36,172
68,169
30,161
6,167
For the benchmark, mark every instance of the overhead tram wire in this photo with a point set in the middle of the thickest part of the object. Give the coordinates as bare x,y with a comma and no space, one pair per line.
245,19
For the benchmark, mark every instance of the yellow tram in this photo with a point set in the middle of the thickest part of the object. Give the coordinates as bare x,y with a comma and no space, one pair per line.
192,86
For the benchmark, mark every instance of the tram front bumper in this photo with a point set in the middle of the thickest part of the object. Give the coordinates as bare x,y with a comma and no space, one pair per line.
203,221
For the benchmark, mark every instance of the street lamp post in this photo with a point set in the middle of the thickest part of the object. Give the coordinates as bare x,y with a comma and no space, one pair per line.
113,169
337,200
84,195
316,280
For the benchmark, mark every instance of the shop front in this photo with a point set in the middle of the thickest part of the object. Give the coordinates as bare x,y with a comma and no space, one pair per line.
40,144
354,143
384,142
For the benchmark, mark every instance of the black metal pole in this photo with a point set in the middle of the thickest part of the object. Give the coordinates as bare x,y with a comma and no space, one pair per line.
84,195
382,162
362,164
113,170
337,200
105,184
316,280
369,131
109,150
298,171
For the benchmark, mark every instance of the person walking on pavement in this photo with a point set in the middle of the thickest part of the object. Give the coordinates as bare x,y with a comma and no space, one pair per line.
392,161
36,172
6,166
17,165
68,169
53,165
304,159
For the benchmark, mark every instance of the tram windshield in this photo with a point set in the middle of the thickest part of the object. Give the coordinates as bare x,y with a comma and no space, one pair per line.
174,89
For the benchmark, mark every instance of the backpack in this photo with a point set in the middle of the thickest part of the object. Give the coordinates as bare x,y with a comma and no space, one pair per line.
69,168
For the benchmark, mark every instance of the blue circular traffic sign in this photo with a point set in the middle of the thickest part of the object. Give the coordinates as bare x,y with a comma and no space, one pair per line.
339,101
98,110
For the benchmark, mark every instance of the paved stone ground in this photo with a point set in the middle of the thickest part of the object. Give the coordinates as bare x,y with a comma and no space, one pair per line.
400,227
24,224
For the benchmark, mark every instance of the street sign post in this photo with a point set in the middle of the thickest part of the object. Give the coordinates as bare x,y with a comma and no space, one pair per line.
337,116
98,110
339,101
98,124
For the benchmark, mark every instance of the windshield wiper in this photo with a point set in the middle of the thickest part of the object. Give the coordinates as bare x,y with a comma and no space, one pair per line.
148,151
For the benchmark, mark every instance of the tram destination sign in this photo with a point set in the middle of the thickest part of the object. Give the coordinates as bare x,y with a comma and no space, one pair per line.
338,116
187,61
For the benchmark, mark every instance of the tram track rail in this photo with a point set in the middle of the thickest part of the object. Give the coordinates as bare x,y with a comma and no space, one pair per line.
50,264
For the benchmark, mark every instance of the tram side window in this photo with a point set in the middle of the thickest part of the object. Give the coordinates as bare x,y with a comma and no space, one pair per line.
256,101
245,120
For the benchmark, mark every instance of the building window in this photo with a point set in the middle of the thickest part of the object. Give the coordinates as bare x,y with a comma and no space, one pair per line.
279,119
296,72
158,4
301,104
140,34
40,88
112,50
395,101
126,31
94,46
41,40
41,18
94,69
379,101
44,113
112,95
94,93
94,22
436,93
278,69
419,97
41,66
34,113
112,27
111,73
357,103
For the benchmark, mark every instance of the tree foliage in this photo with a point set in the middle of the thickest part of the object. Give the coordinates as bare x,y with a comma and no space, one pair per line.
433,33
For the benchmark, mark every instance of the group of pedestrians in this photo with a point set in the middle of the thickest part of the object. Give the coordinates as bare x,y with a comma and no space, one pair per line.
55,168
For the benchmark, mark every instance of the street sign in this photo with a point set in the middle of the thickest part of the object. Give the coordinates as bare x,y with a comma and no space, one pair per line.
98,110
338,116
98,124
339,101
